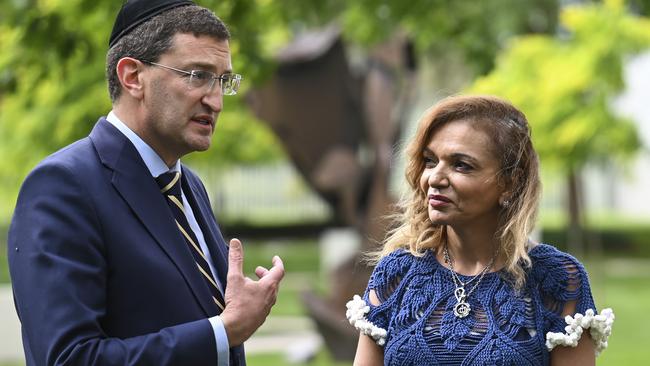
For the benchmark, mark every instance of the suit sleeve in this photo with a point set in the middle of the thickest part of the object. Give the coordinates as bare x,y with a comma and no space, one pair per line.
59,273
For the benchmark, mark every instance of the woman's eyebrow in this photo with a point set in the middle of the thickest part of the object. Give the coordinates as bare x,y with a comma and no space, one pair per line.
463,156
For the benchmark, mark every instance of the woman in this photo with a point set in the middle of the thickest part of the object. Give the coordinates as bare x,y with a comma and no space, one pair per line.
458,282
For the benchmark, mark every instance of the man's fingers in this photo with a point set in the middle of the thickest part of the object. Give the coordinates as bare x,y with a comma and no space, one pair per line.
278,266
277,271
235,258
261,271
277,262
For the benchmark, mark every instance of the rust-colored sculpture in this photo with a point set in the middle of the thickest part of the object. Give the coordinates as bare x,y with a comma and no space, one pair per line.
339,129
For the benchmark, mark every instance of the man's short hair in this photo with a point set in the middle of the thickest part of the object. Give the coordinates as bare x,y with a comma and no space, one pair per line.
149,40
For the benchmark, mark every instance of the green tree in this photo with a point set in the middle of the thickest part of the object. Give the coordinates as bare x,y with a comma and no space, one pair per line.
53,89
565,84
52,84
641,7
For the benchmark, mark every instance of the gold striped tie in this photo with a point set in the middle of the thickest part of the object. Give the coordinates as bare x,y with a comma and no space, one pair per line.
170,186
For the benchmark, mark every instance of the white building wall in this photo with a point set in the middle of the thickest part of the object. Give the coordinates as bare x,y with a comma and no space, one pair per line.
631,185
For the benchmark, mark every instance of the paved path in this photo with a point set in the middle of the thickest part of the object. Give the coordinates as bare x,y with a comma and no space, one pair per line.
271,337
11,348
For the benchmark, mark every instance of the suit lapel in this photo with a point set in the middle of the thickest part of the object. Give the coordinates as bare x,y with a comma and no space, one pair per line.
205,218
132,180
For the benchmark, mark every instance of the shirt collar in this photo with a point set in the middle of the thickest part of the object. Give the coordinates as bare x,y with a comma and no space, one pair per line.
151,159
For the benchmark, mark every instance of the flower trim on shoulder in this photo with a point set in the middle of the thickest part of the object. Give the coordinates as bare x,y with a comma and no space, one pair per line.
356,314
599,325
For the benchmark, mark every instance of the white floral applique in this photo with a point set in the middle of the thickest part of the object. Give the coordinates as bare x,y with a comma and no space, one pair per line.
356,314
599,325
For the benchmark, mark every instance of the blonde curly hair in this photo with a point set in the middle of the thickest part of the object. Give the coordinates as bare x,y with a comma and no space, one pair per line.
508,129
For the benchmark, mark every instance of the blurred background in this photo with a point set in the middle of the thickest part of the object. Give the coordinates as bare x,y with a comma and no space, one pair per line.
306,160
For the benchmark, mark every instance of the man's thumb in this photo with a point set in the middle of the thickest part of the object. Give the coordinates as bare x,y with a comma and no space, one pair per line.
235,258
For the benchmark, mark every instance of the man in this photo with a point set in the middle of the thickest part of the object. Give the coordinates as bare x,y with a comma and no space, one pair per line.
115,255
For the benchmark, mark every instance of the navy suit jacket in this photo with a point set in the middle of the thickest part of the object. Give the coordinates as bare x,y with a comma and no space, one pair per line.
100,273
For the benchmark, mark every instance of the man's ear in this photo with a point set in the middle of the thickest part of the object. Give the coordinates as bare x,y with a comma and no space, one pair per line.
129,73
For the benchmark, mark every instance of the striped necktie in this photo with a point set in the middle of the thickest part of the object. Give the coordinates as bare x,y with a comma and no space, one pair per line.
170,186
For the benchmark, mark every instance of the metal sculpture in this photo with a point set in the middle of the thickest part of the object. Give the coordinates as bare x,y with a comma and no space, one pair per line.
339,125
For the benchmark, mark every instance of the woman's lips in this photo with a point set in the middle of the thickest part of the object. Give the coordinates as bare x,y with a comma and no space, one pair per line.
438,201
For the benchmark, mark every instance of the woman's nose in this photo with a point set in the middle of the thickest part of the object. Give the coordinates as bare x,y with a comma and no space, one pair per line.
438,177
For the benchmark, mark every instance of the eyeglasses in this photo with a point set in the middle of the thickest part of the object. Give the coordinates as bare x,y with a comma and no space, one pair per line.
199,79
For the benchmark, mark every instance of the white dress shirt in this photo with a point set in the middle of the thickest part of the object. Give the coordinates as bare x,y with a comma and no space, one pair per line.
157,167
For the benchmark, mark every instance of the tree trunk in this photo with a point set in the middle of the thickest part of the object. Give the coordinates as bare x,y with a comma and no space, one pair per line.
575,232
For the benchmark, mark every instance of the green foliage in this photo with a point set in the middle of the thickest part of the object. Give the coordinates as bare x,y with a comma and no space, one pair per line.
52,87
477,29
565,84
641,7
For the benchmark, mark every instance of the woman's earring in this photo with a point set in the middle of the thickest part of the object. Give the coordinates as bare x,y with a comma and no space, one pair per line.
505,203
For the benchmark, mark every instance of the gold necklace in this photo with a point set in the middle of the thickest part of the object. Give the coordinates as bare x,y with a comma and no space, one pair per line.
462,307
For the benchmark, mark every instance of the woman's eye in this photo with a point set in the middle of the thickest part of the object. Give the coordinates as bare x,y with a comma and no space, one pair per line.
430,162
463,166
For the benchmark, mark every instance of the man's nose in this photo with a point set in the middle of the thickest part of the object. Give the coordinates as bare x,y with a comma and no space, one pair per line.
214,99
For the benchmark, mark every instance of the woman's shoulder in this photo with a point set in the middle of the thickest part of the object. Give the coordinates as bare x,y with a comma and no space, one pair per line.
397,263
557,272
548,257
403,258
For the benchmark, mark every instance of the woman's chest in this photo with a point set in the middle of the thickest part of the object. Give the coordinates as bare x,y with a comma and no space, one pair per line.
502,327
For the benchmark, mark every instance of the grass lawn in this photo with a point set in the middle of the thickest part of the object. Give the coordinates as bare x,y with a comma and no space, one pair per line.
321,359
622,284
625,288
619,283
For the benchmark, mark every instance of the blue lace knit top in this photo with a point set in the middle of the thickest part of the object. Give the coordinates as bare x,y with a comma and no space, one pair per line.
504,327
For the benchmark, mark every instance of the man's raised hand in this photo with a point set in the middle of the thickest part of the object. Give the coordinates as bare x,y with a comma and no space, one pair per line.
248,302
